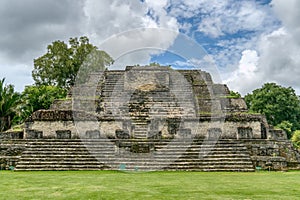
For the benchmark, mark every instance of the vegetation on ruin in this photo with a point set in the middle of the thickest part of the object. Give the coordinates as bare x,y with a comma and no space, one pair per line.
152,185
41,97
279,104
296,139
234,95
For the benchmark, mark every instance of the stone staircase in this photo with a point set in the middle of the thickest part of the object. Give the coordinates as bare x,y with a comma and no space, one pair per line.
135,154
141,129
60,155
178,101
223,155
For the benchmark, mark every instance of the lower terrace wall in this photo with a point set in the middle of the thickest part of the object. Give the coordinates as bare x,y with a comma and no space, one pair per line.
273,154
107,129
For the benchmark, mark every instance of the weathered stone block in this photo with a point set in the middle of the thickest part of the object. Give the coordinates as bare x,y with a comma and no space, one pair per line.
245,133
63,134
184,133
138,78
92,134
278,134
12,135
122,134
140,148
214,133
154,135
34,134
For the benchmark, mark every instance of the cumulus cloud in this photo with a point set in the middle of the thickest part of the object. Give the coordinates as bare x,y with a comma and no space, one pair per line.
245,78
278,53
138,45
131,28
217,18
244,38
28,26
280,50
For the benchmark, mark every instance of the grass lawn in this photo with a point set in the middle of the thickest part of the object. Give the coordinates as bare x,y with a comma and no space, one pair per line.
151,185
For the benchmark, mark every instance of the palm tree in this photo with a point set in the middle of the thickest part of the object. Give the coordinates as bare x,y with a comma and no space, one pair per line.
9,100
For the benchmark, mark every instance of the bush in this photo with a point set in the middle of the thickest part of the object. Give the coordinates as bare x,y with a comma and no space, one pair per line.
296,138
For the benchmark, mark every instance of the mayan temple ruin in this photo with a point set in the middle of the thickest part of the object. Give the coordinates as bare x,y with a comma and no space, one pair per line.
148,118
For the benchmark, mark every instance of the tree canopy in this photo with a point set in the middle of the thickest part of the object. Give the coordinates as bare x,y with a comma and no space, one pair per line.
39,97
62,62
279,104
296,138
9,100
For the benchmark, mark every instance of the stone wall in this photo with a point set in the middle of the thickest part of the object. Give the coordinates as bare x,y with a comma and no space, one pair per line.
273,154
10,153
78,129
229,130
12,135
49,128
61,104
137,77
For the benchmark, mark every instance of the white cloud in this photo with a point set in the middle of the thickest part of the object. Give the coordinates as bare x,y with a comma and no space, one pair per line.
279,58
278,51
265,54
138,45
240,23
211,27
125,28
27,28
245,77
217,18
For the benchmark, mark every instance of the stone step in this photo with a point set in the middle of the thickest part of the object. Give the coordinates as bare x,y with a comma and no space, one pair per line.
144,161
180,160
59,167
109,142
183,154
141,161
60,156
112,152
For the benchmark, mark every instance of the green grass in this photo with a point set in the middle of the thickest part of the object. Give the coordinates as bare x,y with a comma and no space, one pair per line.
152,185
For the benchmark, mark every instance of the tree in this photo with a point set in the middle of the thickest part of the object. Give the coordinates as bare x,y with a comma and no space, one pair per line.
62,62
9,100
277,103
39,97
296,138
286,126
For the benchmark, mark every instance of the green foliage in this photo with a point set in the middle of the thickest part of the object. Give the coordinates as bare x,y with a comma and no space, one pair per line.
154,64
296,138
286,126
62,62
234,95
39,97
9,100
277,103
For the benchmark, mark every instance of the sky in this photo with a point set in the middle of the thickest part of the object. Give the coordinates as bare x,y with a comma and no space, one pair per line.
244,43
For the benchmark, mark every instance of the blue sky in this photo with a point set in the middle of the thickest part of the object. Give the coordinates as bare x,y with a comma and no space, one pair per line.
244,43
